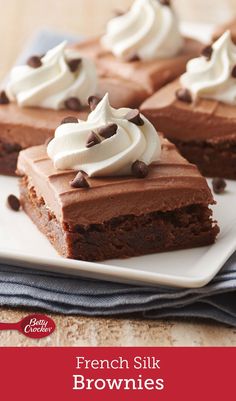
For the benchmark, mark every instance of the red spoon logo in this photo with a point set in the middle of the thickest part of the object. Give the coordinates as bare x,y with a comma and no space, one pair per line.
33,326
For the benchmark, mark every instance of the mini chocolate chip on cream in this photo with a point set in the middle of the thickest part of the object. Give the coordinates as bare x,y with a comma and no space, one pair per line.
118,13
139,169
13,202
79,181
74,64
207,52
73,103
3,98
132,58
92,140
69,120
34,62
183,95
233,73
134,117
165,2
93,102
107,131
218,185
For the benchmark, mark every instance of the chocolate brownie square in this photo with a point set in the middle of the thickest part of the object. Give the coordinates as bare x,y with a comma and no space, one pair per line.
118,217
151,75
204,131
21,128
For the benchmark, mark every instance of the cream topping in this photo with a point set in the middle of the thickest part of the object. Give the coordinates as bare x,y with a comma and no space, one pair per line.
51,84
212,77
112,156
149,29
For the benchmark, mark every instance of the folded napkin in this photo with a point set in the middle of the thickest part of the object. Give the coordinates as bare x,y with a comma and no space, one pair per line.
69,295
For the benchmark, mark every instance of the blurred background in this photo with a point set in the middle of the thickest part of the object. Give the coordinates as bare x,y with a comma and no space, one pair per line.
19,19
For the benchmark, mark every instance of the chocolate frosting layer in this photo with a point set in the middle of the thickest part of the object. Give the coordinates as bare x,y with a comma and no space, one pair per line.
231,25
152,75
197,121
122,93
31,126
171,183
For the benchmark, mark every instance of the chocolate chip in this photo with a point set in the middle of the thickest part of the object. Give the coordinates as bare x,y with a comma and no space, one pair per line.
73,103
184,95
218,185
13,202
134,117
92,140
207,52
11,147
165,2
34,62
118,13
69,120
93,102
79,181
108,130
74,64
139,169
3,98
132,58
233,73
48,140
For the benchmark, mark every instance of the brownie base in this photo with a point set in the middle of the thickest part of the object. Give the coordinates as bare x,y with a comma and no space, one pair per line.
124,236
213,159
8,157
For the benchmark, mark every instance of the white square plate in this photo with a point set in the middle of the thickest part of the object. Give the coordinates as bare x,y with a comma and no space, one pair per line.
22,244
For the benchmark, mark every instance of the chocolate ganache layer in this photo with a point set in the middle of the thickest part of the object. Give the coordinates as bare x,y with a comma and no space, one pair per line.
199,120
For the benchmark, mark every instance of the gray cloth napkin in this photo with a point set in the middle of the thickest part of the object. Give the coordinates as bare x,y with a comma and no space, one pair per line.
70,295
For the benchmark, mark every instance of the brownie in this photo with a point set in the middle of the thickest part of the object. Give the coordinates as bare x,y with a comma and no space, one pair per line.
204,131
152,75
118,217
21,128
122,92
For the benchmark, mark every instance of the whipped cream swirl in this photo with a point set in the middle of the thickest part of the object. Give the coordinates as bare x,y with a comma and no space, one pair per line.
212,78
149,29
52,83
112,156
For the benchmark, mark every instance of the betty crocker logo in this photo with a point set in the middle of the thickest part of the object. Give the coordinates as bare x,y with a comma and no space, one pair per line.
33,326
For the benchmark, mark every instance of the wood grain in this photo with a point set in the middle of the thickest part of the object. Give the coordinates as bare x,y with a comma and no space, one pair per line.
84,331
19,19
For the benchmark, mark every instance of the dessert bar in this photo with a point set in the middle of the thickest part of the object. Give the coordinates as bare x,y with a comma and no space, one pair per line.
38,98
115,190
143,45
198,112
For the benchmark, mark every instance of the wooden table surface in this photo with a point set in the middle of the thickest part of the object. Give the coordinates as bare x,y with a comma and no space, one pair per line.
18,21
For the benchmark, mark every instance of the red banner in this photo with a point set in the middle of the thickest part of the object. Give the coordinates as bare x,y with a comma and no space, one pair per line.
132,374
